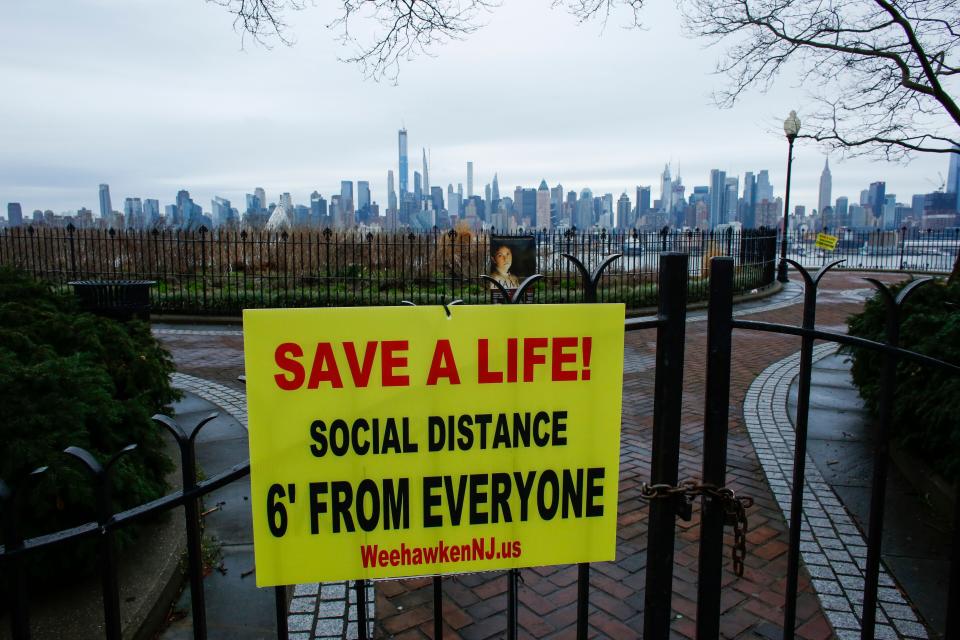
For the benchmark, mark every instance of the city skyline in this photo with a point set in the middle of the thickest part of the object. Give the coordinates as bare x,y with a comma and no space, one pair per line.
576,114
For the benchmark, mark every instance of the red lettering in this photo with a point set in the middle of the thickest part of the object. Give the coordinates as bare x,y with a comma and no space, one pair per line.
282,356
561,357
443,365
394,557
383,557
484,375
531,357
389,361
324,368
512,360
368,555
361,374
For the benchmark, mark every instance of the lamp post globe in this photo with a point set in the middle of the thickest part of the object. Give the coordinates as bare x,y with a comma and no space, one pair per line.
791,127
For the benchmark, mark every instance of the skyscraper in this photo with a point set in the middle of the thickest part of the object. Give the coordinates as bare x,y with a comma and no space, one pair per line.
643,200
346,196
764,188
666,190
402,140
14,214
133,213
105,207
877,195
623,212
426,176
953,178
418,190
391,192
151,212
826,188
363,200
542,216
470,179
748,206
718,189
262,197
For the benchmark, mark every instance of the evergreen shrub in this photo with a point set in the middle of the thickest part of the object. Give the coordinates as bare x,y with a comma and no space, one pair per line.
927,400
72,378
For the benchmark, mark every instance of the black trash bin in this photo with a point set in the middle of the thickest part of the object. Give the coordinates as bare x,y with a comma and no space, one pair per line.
118,299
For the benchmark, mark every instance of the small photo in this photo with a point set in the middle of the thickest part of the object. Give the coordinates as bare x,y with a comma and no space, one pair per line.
512,259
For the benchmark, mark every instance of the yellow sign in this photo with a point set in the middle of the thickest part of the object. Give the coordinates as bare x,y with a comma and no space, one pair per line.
825,241
398,441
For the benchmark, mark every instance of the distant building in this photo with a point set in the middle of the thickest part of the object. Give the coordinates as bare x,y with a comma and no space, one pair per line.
402,144
469,179
151,213
826,188
14,214
133,213
106,208
718,190
953,178
876,196
542,215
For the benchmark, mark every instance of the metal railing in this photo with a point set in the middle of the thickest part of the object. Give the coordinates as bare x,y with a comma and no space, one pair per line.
222,272
669,497
905,249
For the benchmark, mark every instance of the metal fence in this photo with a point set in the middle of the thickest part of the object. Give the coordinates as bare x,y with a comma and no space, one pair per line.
669,498
932,251
223,271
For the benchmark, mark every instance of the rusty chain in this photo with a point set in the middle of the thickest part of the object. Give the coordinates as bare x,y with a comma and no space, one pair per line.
734,510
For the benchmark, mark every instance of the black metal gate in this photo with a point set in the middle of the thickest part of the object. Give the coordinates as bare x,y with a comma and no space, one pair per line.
669,496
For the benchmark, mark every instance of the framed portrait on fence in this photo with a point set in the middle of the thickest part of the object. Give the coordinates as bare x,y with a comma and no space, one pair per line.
512,259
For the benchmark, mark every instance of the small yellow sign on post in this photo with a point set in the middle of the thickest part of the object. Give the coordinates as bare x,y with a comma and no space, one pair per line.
400,441
826,242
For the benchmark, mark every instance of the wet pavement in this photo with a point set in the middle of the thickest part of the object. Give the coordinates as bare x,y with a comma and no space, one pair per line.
916,539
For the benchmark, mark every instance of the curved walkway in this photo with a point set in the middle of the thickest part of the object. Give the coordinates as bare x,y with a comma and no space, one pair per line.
475,604
832,547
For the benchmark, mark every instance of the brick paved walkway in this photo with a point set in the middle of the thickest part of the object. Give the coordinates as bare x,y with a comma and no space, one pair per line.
475,604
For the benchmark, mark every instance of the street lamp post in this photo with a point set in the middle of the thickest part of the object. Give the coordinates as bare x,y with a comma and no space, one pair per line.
791,127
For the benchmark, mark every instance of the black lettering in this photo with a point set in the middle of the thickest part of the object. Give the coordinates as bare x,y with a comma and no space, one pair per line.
500,497
477,498
317,430
396,504
572,493
339,437
524,486
342,499
559,428
455,504
465,439
435,437
594,491
542,439
408,447
317,505
548,511
391,439
368,489
360,425
430,500
501,437
521,430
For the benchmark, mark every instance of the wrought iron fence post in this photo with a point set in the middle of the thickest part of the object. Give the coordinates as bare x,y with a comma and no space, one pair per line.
881,450
668,391
188,464
361,586
108,574
715,426
203,264
71,230
810,284
10,503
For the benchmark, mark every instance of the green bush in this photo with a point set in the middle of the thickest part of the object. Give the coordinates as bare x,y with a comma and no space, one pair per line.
72,378
927,400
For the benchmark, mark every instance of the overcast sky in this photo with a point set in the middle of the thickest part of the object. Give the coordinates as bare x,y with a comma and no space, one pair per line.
152,97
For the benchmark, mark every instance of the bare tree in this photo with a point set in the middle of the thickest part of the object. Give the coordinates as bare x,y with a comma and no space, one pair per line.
884,74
